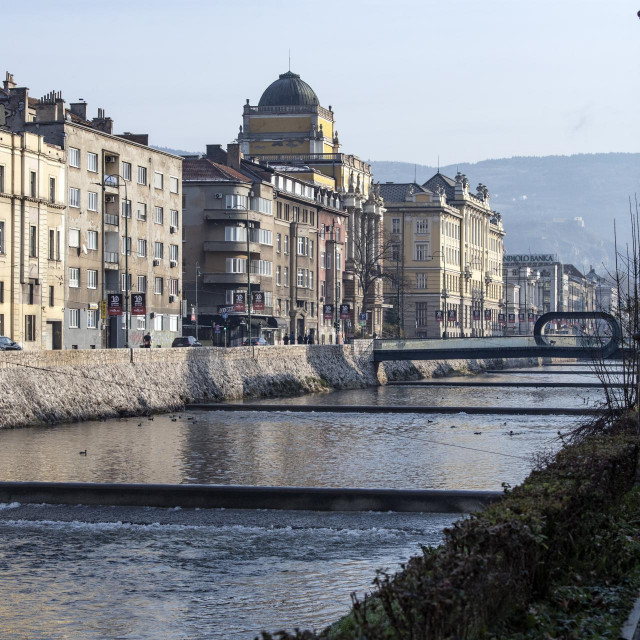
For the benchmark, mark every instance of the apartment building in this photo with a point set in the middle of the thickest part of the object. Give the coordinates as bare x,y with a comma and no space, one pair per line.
122,243
32,222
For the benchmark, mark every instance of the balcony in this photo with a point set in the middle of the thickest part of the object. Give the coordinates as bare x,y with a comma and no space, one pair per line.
225,246
110,218
230,278
111,259
234,214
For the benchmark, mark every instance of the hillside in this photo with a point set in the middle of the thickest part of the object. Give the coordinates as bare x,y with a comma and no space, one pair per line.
553,204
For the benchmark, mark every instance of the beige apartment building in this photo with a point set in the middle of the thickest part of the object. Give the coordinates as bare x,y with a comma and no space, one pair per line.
122,233
32,216
445,267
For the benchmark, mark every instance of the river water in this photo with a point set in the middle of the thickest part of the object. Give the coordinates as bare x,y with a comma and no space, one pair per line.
86,572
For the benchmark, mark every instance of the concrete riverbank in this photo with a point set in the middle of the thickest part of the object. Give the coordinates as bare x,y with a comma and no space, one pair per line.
61,386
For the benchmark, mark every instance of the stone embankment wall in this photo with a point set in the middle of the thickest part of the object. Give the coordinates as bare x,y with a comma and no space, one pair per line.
60,386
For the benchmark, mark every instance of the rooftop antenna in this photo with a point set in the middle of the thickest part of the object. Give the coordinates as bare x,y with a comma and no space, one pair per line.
289,59
415,172
438,163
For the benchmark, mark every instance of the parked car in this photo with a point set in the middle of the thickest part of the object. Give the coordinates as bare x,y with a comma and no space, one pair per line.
7,344
256,342
185,341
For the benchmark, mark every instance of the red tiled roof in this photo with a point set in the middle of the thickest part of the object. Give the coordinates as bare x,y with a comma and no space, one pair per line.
203,169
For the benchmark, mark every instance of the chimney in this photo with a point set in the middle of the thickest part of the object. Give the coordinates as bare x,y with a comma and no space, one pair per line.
234,156
102,123
216,153
139,138
79,109
9,82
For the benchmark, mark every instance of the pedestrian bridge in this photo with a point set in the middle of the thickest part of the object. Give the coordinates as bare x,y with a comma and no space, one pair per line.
602,339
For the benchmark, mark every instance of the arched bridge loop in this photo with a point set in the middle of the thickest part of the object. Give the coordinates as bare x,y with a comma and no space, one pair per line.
602,341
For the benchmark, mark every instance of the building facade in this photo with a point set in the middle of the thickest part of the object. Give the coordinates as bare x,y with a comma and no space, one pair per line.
122,223
445,268
32,223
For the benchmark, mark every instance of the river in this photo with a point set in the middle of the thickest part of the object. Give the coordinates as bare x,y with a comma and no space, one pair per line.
89,572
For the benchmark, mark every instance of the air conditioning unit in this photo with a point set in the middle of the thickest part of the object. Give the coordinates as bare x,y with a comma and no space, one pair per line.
173,229
173,263
321,298
156,262
173,298
110,159
109,198
218,196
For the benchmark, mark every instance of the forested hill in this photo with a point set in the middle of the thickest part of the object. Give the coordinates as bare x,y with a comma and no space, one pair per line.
551,204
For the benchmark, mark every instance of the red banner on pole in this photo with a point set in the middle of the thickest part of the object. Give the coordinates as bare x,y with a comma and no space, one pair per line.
328,312
138,304
257,300
114,304
238,301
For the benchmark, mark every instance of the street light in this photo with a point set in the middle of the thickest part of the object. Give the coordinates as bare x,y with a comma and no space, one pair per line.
240,206
127,246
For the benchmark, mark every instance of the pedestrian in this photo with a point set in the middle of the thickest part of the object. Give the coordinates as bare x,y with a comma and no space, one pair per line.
305,339
299,339
147,341
292,338
311,338
286,339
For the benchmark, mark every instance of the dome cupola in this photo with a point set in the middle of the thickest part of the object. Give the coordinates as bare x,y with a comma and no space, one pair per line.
288,90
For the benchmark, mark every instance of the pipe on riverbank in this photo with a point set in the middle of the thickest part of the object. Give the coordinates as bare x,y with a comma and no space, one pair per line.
246,497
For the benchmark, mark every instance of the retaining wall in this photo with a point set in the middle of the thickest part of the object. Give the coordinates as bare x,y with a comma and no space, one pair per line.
58,386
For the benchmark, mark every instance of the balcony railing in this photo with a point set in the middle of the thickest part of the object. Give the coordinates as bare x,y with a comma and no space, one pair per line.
111,257
110,218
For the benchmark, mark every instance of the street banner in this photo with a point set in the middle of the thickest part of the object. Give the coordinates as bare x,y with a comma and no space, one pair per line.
257,300
345,311
487,314
138,304
512,318
521,317
328,312
238,301
452,315
502,318
362,319
103,309
114,304
476,314
439,315
531,317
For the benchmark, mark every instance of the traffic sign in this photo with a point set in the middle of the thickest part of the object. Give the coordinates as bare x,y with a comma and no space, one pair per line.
225,316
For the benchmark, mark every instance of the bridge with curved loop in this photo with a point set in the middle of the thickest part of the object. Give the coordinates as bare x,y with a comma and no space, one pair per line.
605,343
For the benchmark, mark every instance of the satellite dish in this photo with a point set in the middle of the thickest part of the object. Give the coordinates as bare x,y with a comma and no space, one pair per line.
84,249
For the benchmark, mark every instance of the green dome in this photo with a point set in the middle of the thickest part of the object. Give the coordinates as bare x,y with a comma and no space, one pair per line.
288,90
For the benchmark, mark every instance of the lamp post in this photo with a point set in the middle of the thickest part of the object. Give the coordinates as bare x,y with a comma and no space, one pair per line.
240,206
127,246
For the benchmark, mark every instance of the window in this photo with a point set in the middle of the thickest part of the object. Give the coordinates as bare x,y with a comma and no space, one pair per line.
421,225
286,245
33,241
124,281
173,186
1,291
174,218
52,244
235,201
92,279
142,211
312,218
173,252
421,280
126,208
158,250
421,252
278,243
323,288
74,277
142,284
395,252
421,314
158,180
261,267
296,214
1,236
262,205
92,319
74,238
141,323
311,248
157,322
159,215
92,162
74,318
395,225
92,240
126,171
74,157
286,276
74,197
287,209
279,210
126,245
157,287
142,248
338,260
29,328
142,175
337,235
303,246
173,286
92,201
52,296
52,189
30,292
236,265
278,275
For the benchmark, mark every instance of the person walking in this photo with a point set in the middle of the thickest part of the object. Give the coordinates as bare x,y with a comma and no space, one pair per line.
285,339
292,338
147,341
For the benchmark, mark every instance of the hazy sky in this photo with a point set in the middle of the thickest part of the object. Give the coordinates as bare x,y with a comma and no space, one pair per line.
407,79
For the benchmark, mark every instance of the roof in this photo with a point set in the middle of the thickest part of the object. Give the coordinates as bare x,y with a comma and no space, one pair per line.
288,90
398,191
196,169
447,183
